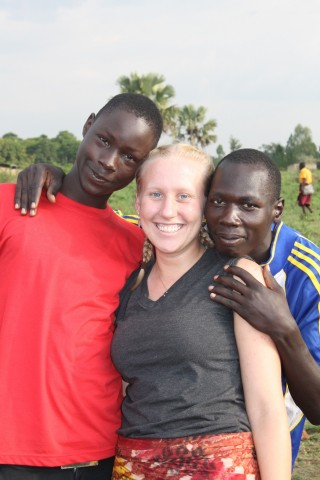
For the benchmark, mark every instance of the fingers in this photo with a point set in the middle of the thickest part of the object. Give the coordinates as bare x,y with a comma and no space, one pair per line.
35,186
53,189
54,181
269,279
228,298
18,193
26,195
231,283
241,273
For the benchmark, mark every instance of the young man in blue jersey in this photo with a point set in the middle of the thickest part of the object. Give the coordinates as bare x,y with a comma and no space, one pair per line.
243,214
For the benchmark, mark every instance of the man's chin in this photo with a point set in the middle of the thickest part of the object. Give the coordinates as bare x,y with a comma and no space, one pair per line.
231,248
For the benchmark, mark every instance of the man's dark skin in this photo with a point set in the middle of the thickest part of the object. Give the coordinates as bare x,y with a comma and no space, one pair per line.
264,308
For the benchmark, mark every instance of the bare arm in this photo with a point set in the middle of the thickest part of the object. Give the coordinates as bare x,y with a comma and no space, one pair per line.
267,310
30,182
261,377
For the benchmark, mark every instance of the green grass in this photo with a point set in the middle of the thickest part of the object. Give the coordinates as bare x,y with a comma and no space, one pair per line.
307,465
308,224
6,176
124,199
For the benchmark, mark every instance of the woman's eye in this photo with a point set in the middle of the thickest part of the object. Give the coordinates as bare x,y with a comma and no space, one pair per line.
217,202
183,196
155,195
249,206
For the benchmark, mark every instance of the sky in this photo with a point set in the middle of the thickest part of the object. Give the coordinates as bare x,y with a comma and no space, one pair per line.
255,65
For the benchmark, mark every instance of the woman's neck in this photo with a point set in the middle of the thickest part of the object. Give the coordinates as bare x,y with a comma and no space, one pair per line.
168,268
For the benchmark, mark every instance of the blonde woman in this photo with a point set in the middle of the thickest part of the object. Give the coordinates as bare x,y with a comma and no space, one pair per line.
200,378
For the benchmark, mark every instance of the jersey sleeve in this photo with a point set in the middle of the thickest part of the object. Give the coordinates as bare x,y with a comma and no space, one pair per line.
302,290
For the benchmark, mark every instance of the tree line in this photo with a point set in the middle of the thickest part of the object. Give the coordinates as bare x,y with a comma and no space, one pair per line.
185,123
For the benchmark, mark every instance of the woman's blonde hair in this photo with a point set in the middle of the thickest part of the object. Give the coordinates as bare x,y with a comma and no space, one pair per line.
184,151
187,152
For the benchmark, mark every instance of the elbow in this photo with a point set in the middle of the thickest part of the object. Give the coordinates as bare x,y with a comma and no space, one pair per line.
313,417
311,408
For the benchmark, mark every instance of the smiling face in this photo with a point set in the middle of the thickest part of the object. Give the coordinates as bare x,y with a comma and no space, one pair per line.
114,145
170,202
240,210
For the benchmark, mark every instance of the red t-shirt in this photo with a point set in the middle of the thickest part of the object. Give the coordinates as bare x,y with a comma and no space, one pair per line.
61,273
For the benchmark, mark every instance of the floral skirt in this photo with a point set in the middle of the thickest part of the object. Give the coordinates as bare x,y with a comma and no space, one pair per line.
206,457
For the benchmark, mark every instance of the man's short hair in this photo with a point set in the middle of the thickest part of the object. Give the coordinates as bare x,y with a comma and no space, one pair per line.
140,106
250,156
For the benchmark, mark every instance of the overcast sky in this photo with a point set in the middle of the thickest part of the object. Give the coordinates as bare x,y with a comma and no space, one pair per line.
254,64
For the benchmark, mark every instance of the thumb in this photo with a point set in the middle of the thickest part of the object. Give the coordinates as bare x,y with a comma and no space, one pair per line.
52,192
271,283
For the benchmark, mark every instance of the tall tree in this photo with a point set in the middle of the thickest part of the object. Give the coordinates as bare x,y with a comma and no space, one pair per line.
67,146
234,144
41,149
278,154
300,145
12,151
219,154
192,127
153,86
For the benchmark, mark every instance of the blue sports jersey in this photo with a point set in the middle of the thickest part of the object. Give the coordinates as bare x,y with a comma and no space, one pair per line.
295,264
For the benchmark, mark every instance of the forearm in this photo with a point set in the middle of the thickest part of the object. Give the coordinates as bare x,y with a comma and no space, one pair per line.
302,372
272,443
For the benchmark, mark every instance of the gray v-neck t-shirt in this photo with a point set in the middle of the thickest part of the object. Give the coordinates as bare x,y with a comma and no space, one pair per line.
180,359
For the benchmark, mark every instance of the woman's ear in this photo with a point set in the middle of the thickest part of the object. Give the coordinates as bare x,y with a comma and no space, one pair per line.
278,210
137,204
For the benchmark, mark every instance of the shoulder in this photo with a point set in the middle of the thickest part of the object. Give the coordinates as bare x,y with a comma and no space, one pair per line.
126,223
299,259
296,240
7,196
286,242
7,188
129,218
250,266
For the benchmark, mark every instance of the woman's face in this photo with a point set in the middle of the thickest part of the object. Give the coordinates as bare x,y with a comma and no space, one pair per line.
170,202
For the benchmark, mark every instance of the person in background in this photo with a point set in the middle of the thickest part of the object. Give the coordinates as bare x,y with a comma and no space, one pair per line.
243,214
305,188
197,401
61,274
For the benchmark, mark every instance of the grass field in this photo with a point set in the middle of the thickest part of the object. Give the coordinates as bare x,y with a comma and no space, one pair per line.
308,224
308,462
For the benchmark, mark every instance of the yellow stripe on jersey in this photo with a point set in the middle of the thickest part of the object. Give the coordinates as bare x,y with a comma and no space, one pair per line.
306,249
309,260
129,218
307,271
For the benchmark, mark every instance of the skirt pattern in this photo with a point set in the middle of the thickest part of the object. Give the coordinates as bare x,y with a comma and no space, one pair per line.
206,457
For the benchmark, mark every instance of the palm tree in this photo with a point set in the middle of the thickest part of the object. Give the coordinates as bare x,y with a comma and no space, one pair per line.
192,127
153,86
234,144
